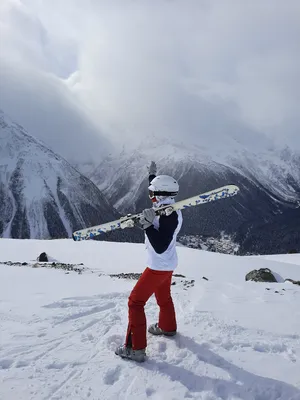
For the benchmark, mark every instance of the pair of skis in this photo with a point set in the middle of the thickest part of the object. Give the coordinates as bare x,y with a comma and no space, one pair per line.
129,220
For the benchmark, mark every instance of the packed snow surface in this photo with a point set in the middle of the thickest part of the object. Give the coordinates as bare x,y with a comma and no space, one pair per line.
236,339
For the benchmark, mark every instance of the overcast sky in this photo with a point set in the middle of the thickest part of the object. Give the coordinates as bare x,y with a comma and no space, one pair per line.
77,71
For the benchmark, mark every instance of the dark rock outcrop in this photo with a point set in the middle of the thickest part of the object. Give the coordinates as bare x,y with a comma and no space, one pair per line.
43,257
261,275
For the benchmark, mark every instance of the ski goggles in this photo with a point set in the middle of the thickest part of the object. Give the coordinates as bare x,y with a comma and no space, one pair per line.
153,194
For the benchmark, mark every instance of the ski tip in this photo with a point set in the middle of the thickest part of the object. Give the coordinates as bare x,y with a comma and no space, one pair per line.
233,188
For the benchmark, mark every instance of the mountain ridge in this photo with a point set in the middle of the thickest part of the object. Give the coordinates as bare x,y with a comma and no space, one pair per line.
269,182
42,195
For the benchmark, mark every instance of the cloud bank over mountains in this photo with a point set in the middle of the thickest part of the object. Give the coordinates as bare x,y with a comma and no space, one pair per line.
79,74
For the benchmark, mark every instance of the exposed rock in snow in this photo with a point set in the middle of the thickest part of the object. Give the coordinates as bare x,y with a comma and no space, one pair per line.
43,257
293,281
261,275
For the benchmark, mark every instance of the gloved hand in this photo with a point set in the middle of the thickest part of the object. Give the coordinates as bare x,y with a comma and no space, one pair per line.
129,223
147,218
126,222
152,168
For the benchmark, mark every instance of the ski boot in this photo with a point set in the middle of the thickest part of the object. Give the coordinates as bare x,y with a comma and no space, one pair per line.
128,352
154,329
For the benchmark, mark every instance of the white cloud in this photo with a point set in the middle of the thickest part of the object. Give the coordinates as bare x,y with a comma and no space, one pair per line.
32,92
199,68
44,106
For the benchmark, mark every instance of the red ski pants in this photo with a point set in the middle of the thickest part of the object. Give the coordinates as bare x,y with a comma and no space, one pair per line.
159,283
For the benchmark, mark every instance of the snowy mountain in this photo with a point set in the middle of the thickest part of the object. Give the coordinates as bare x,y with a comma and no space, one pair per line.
265,216
41,195
236,340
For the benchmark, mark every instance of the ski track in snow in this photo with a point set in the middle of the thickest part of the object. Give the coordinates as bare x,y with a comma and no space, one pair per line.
236,340
70,356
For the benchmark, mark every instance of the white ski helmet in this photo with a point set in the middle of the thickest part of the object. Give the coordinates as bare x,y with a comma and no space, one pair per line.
163,185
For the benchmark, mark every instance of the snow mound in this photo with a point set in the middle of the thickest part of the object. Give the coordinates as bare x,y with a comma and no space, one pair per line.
278,277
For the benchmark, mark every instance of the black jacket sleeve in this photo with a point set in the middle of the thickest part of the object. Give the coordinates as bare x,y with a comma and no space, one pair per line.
161,238
152,171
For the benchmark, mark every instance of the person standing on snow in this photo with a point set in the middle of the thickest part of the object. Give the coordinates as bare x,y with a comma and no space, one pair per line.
160,239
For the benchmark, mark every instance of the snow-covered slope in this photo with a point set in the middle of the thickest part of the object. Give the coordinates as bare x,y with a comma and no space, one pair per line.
237,340
41,195
269,179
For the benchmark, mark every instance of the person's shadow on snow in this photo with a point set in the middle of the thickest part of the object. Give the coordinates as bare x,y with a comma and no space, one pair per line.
244,384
